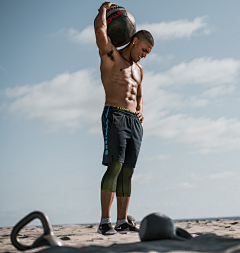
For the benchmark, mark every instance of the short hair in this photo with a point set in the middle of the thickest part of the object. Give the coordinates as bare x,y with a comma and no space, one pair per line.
144,35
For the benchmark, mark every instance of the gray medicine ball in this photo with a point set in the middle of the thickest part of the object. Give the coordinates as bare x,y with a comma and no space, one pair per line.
121,25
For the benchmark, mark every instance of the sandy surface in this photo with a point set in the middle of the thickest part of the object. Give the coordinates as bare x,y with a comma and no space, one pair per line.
209,236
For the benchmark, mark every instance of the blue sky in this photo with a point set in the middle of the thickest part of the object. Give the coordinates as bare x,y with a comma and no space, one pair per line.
51,99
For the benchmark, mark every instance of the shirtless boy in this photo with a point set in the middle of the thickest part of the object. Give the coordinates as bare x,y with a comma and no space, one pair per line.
121,76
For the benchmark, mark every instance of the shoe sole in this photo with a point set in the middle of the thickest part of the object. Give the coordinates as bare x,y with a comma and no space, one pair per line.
112,233
127,232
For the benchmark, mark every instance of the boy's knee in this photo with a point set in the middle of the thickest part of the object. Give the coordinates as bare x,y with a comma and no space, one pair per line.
109,180
124,182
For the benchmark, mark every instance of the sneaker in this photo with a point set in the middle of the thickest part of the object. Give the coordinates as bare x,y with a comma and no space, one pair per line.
106,229
126,227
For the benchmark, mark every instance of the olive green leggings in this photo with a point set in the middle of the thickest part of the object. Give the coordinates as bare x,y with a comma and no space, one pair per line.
117,179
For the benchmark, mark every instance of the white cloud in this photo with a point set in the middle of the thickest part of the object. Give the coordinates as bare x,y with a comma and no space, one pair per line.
143,178
202,70
17,91
205,134
158,100
165,112
185,185
156,158
68,100
154,58
164,30
177,29
75,100
222,175
194,101
195,177
219,91
86,36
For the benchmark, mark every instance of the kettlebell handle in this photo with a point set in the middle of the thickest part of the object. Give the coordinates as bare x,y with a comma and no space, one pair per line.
48,238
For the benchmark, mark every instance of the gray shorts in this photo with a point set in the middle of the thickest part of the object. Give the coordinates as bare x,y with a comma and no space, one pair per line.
122,132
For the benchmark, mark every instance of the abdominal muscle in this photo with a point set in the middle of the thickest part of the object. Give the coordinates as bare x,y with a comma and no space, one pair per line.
122,94
126,103
120,83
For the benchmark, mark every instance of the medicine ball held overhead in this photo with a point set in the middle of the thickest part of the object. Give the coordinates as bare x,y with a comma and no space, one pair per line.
121,25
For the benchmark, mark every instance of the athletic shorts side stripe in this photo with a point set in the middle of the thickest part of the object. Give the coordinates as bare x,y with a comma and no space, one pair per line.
106,140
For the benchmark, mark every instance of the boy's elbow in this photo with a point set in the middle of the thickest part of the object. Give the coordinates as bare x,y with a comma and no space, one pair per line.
99,30
100,35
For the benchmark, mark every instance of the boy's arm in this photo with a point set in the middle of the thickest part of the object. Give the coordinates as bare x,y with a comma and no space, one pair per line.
139,108
100,26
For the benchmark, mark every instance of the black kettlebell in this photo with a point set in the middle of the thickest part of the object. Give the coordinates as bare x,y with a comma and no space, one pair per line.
131,220
121,25
47,239
157,226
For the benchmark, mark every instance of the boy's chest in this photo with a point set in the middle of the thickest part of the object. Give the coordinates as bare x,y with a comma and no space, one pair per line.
131,71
